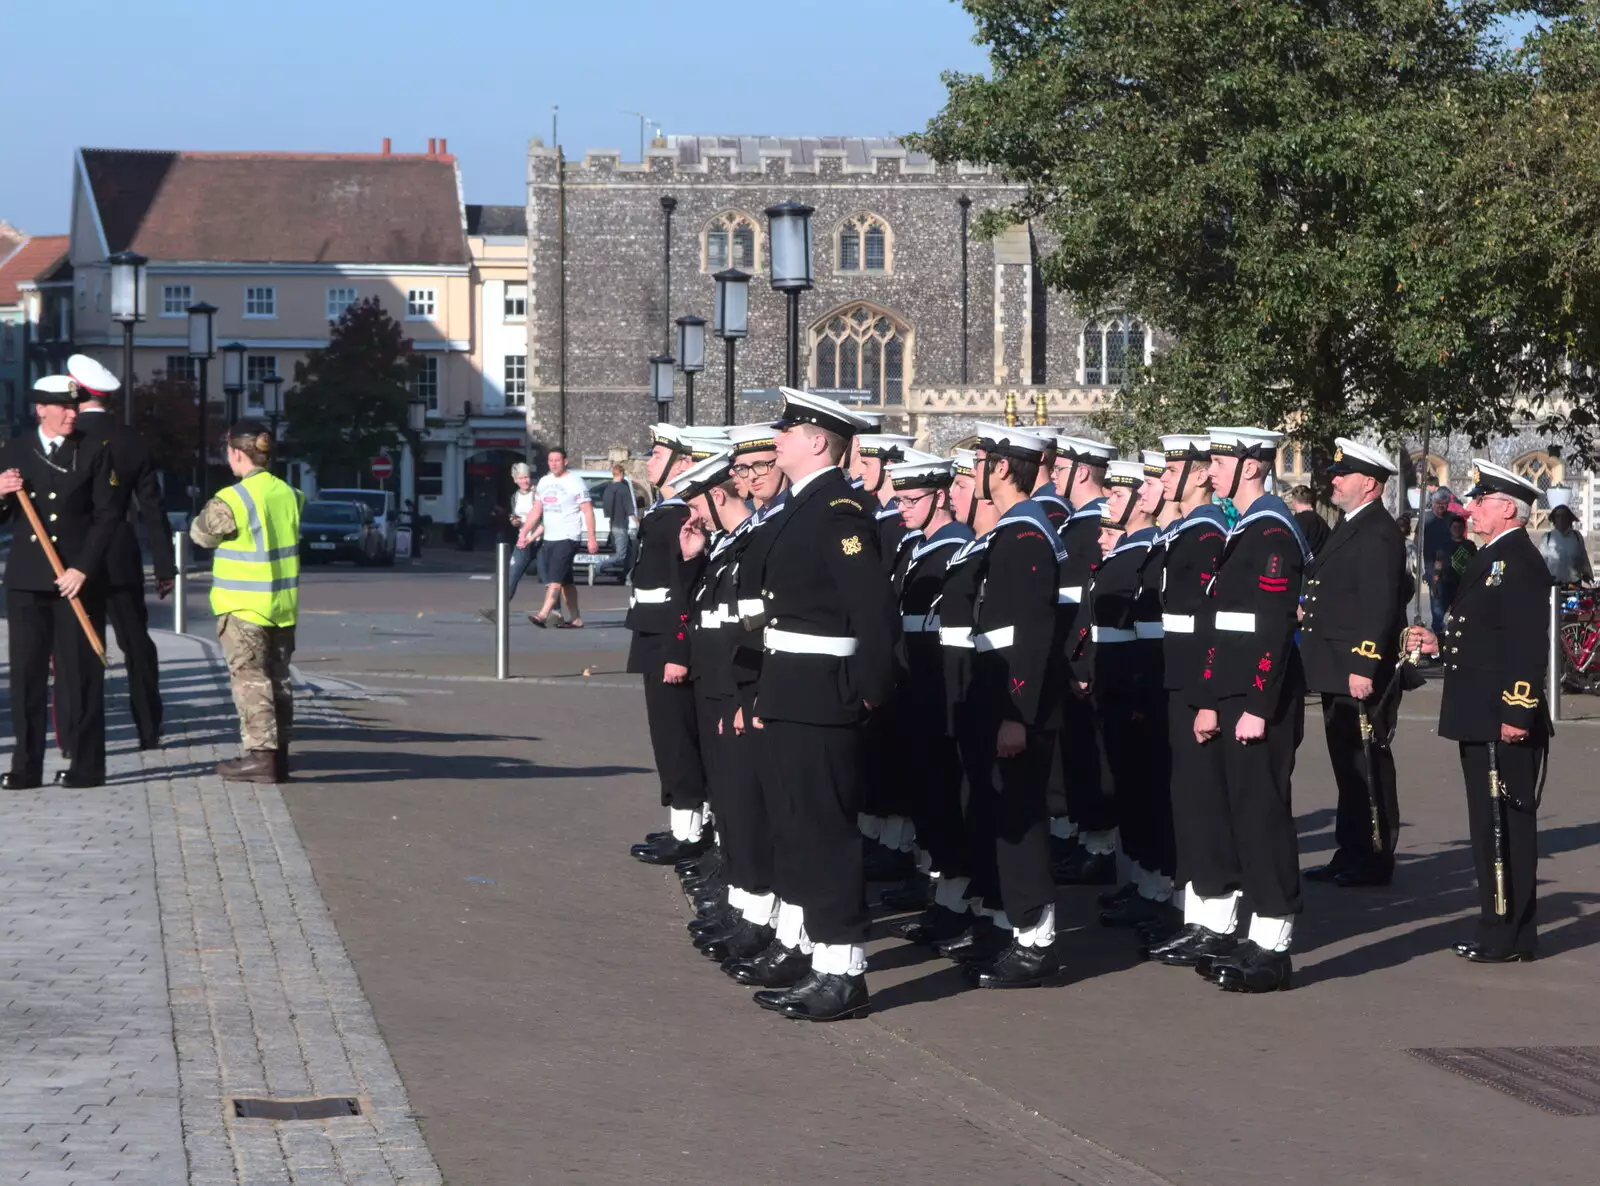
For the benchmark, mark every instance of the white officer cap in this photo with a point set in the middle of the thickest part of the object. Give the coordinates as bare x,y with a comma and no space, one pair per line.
752,438
55,389
1012,442
1085,451
92,376
1260,444
1488,478
921,470
802,407
1125,472
1352,457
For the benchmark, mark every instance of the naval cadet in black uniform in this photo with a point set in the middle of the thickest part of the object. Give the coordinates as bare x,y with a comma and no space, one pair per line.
125,597
658,616
1495,651
1254,689
829,631
76,492
1351,618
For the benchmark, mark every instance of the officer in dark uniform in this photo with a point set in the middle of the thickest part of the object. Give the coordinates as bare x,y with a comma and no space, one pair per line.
829,629
73,487
1356,589
1494,649
658,615
1082,807
1254,690
125,601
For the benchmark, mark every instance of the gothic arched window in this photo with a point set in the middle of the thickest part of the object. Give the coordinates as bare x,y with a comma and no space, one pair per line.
862,347
728,241
1112,350
1544,471
862,244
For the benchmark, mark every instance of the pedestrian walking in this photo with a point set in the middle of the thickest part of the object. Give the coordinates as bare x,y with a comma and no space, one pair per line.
566,513
1303,502
1435,540
621,509
525,536
69,480
1451,564
1565,554
254,527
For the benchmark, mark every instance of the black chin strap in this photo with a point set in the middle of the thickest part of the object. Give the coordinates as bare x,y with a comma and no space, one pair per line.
883,468
711,505
1238,472
1072,476
1183,479
972,509
933,506
988,466
1127,510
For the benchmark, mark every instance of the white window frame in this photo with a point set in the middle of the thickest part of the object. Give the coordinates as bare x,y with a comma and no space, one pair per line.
342,290
1102,326
188,370
516,396
425,383
271,301
516,294
421,304
169,292
255,402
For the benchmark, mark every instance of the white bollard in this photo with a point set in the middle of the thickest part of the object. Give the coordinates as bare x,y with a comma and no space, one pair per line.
1552,692
502,623
180,583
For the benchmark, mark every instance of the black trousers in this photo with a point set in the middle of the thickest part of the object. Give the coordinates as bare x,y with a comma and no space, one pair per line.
733,788
128,616
934,766
812,774
1249,840
1089,801
1519,773
1020,825
1199,790
1134,733
42,627
975,744
883,791
675,738
1353,825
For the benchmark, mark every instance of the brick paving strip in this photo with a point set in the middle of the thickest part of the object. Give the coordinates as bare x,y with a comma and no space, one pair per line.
164,948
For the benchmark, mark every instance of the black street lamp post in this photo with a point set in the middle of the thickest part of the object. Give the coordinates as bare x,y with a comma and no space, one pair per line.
127,309
789,231
233,377
730,320
691,358
202,348
661,385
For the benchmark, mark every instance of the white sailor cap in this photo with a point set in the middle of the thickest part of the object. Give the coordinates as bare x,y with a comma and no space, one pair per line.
703,475
92,376
1155,462
1085,451
1260,444
1352,457
55,389
752,438
1186,446
704,440
872,421
802,407
888,445
921,470
1125,472
964,461
669,436
1488,478
1012,442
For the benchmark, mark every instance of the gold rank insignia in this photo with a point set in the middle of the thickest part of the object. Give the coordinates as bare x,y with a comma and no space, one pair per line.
1338,452
1367,650
114,481
1521,695
851,546
845,502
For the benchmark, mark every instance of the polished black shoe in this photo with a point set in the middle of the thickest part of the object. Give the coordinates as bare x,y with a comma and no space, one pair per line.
778,967
717,918
1086,868
1192,945
1158,931
823,996
1364,875
982,942
703,903
1018,967
935,925
733,926
699,887
1483,955
655,837
12,781
1332,869
705,865
887,864
745,942
65,778
912,895
1114,897
1253,969
1131,912
669,851
1062,847
149,743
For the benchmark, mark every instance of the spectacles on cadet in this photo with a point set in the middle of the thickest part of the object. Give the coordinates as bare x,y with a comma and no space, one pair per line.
746,469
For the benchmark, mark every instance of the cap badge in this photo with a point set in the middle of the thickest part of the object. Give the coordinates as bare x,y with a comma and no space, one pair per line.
1338,452
851,546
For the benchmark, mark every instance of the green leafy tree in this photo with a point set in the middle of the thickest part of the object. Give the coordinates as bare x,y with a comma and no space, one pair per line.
349,399
166,413
1261,178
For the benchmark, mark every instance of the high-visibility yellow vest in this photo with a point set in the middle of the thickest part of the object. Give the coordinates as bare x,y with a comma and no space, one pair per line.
255,573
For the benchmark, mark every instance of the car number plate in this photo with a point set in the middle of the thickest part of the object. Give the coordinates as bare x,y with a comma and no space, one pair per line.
322,547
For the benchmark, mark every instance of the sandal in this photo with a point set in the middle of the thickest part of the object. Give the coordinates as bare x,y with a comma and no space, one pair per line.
536,620
575,624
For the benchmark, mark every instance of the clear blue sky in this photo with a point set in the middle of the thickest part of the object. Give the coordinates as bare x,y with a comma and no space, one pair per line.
339,75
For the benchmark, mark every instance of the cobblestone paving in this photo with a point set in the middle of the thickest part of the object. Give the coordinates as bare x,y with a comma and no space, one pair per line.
163,949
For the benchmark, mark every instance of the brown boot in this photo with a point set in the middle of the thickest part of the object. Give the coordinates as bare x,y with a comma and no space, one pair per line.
259,765
281,762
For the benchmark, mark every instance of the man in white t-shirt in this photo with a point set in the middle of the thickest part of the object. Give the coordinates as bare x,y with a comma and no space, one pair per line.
564,508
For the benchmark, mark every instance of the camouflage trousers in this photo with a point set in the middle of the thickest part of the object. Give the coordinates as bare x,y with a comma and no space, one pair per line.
258,667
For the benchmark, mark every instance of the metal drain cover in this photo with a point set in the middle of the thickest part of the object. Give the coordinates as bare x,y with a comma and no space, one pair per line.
319,1109
1564,1080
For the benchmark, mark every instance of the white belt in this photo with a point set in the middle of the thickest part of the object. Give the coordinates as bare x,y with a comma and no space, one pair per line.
650,597
955,636
752,607
794,643
921,624
1111,634
1069,594
1150,629
710,619
1239,623
995,640
1178,623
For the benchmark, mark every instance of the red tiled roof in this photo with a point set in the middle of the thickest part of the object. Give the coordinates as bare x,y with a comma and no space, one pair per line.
33,259
356,208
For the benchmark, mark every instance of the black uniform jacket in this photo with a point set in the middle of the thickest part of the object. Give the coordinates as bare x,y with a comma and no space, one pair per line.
79,504
1354,603
1120,652
1191,550
714,618
1495,643
958,596
1056,508
920,588
1248,624
891,532
822,575
136,475
748,604
1080,535
663,583
1016,627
